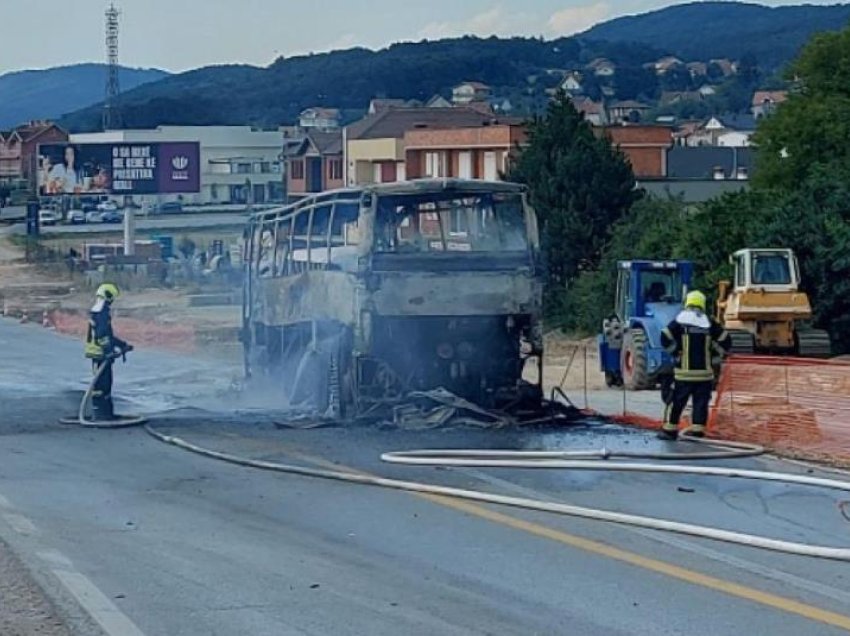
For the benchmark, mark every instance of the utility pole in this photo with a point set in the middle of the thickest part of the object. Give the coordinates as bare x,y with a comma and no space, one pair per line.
111,105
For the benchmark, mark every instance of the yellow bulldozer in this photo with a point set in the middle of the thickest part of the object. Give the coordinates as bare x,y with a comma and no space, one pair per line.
764,310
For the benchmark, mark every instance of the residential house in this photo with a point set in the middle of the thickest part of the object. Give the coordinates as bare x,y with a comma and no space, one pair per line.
594,112
676,97
571,83
602,67
320,118
766,102
438,101
628,111
375,145
474,152
645,146
726,66
314,163
695,175
707,90
709,163
666,64
18,151
730,130
501,105
379,104
697,69
470,92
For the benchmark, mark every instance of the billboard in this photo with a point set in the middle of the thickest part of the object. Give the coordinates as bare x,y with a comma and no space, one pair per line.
119,168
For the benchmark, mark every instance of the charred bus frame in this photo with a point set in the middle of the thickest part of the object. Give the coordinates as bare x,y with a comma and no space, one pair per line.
355,297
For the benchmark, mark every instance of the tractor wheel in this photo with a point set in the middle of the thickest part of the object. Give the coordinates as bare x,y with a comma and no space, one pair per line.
634,361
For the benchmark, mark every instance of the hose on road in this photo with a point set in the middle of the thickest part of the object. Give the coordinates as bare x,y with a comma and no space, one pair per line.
81,420
581,460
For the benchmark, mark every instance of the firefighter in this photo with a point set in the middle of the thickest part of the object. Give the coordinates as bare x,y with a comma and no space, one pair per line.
692,339
102,347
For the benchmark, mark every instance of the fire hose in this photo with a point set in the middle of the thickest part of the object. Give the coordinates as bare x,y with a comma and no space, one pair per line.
575,460
82,420
593,460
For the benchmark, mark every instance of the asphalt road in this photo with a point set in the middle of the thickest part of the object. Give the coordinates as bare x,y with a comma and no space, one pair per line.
133,537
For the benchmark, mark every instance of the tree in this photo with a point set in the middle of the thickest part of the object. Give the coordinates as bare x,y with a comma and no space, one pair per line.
579,185
813,127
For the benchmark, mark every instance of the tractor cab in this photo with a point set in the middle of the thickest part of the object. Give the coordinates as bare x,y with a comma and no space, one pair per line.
649,295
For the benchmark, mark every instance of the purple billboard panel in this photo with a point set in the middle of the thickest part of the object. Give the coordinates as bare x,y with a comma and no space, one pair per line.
119,169
179,168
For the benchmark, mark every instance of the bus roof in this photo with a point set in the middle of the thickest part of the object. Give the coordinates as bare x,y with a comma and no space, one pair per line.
399,188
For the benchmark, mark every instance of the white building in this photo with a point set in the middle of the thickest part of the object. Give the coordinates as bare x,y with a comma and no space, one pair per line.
235,160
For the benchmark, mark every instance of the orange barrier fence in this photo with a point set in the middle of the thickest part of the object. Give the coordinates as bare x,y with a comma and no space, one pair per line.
141,333
797,407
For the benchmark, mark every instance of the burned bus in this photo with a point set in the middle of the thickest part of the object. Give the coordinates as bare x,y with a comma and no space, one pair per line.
357,297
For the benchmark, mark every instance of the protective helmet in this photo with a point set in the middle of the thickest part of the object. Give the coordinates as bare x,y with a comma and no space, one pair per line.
696,299
108,291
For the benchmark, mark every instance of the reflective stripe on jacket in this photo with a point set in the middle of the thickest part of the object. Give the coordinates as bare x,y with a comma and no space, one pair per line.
691,338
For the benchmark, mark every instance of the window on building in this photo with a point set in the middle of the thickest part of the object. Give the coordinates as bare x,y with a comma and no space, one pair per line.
435,164
214,191
297,169
335,169
243,168
265,167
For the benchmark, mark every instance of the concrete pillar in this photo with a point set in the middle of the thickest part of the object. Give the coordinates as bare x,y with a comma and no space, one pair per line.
129,232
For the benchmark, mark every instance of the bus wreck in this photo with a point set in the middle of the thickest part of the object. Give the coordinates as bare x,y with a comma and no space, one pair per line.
355,298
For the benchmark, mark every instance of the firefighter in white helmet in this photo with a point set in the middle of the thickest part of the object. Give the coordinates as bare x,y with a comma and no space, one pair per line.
102,347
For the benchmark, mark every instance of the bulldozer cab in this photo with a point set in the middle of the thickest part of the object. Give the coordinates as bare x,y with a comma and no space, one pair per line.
768,269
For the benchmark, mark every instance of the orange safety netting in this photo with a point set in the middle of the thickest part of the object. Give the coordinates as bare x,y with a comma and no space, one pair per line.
798,407
140,333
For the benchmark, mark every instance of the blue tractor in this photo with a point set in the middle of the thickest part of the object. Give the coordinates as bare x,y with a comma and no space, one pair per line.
649,296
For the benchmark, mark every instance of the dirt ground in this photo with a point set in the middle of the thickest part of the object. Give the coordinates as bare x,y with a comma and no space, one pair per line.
24,610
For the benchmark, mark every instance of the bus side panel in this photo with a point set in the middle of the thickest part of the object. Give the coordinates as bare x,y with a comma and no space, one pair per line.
311,296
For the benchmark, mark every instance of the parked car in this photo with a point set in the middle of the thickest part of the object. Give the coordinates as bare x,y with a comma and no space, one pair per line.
111,216
99,216
76,217
169,207
48,217
107,206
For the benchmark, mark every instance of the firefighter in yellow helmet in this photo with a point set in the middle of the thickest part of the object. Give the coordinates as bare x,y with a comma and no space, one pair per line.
102,347
692,338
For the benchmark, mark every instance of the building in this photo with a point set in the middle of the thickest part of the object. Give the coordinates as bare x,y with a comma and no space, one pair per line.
438,101
321,118
669,98
238,163
18,156
473,152
697,174
594,112
697,69
726,66
667,64
766,102
375,146
709,163
628,111
313,163
469,92
602,67
645,147
572,83
378,104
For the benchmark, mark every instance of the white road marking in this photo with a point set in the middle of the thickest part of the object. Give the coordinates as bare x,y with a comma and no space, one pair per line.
808,585
111,619
56,559
20,524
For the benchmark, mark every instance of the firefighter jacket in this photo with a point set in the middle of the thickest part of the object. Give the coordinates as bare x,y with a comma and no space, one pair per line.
100,340
692,339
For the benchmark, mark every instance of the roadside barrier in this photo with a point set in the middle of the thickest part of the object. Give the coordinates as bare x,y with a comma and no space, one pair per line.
793,406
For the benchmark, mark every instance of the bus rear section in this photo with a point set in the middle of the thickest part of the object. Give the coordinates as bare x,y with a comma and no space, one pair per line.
358,298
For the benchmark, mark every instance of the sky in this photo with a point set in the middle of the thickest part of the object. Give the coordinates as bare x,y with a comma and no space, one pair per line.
178,35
